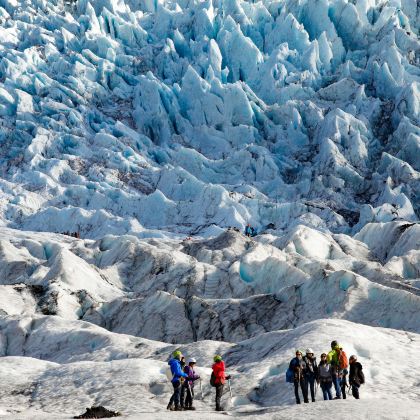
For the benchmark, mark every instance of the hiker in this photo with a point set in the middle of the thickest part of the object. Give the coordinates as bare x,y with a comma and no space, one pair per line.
182,362
311,372
219,379
325,377
332,359
177,378
248,230
188,385
356,376
343,364
298,367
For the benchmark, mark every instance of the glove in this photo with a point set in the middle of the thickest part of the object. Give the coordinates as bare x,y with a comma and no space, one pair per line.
228,377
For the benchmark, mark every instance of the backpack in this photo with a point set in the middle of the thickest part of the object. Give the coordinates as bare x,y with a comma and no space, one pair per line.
290,376
343,362
361,377
168,373
213,379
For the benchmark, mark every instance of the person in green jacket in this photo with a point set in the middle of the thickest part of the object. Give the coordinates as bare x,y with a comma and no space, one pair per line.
332,359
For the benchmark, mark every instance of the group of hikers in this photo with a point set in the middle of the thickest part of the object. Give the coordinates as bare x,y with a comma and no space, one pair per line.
303,372
332,370
72,234
250,231
184,376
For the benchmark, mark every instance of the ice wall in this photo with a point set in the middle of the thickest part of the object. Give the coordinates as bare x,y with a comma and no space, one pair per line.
120,116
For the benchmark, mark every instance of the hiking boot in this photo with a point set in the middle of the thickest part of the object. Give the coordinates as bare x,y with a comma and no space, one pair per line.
313,399
337,398
298,402
170,407
177,408
219,409
191,408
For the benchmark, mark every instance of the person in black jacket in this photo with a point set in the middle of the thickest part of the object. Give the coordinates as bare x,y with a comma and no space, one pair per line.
356,376
298,366
311,372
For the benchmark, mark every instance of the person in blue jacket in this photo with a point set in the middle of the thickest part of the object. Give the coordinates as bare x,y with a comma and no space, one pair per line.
177,378
250,231
298,367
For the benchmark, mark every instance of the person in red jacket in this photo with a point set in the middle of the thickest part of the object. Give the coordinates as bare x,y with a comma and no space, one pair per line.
220,379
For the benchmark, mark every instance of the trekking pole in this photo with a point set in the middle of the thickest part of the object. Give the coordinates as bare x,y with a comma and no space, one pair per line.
230,391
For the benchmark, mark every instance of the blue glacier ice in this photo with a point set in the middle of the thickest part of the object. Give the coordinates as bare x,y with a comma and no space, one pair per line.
177,115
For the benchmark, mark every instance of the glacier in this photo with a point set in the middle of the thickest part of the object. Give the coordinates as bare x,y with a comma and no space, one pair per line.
302,112
157,130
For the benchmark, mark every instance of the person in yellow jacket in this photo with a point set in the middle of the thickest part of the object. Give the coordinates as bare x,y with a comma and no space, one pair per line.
332,359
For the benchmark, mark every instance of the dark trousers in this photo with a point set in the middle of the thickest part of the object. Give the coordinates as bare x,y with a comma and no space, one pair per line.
182,395
187,396
219,393
310,383
343,385
176,395
355,391
326,390
301,381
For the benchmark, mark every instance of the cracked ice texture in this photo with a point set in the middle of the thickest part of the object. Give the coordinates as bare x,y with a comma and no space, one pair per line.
158,118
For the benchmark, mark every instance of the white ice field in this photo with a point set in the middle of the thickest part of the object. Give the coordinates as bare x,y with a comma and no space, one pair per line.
157,130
